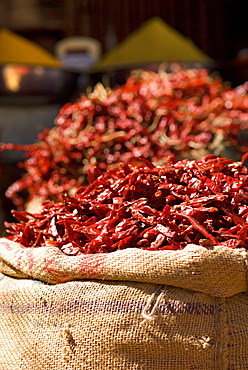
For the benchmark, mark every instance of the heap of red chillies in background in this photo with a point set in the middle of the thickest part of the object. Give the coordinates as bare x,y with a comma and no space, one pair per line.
201,201
186,113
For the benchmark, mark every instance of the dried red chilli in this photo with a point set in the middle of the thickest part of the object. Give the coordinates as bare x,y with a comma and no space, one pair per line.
202,201
186,113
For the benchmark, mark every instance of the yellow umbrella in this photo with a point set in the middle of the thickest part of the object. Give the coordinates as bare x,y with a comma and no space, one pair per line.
154,42
15,49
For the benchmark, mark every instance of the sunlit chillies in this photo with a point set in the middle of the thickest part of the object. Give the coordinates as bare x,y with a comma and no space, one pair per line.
203,202
186,113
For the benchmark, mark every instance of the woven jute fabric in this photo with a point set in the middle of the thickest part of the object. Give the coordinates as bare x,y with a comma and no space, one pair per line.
130,309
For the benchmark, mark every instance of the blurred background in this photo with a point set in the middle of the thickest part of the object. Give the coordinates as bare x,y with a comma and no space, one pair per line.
219,28
79,33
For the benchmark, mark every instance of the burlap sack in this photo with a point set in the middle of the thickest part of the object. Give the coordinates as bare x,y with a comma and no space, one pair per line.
131,309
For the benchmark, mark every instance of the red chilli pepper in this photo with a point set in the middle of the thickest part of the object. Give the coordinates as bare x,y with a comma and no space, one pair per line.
155,116
148,207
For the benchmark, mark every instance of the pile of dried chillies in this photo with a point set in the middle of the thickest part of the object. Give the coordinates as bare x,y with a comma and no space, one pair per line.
186,113
201,201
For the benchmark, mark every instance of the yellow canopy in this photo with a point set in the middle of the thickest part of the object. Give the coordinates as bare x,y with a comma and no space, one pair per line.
15,49
155,41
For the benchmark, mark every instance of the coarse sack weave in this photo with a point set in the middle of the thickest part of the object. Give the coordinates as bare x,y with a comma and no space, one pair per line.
130,309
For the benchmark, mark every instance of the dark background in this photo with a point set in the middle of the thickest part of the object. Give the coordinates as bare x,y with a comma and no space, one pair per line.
219,27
